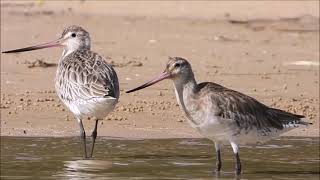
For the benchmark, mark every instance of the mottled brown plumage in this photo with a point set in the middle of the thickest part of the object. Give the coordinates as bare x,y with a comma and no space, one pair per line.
246,111
85,82
85,75
221,114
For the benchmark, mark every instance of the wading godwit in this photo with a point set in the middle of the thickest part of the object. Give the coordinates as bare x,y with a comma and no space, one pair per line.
84,81
221,114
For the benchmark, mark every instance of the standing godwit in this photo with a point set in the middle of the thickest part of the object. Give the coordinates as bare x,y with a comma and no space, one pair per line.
221,114
84,81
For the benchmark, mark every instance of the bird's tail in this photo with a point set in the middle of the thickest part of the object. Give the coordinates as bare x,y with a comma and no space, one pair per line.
289,120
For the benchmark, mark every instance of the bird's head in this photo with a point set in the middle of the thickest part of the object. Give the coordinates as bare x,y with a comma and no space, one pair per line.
176,69
72,38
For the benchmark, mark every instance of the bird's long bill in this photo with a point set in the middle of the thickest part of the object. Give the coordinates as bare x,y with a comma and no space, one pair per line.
161,77
55,43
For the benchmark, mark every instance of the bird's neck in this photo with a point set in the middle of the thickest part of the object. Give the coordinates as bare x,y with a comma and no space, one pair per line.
71,49
185,87
66,52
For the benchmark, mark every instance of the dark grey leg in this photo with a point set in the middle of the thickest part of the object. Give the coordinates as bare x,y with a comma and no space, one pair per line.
218,157
83,138
238,164
236,155
94,136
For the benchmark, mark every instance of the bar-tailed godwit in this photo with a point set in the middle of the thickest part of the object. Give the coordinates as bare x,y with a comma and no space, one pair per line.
84,81
221,114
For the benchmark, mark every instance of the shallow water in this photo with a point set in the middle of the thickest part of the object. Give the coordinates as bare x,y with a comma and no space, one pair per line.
60,158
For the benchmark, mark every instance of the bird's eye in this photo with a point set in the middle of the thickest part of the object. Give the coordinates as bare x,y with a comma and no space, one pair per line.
177,65
73,35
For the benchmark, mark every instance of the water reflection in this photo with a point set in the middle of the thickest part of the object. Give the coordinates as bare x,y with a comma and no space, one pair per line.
60,158
87,165
84,168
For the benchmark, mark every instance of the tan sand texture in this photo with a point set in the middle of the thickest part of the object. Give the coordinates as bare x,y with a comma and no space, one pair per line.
268,50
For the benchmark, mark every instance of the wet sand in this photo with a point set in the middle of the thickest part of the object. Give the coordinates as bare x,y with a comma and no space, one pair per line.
242,46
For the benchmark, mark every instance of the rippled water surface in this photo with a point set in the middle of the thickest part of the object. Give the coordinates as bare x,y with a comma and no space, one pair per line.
60,158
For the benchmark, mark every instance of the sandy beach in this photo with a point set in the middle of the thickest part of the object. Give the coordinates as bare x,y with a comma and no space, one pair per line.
268,50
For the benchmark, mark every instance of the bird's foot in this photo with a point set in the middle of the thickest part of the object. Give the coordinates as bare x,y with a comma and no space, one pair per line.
238,171
218,167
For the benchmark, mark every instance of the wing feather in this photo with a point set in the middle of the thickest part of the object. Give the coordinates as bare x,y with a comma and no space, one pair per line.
245,110
85,75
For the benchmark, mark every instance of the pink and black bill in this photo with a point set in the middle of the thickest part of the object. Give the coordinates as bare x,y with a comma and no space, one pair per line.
55,43
161,77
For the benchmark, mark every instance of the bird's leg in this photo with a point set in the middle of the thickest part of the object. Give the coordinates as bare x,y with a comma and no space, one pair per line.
236,155
94,136
218,156
83,138
238,164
